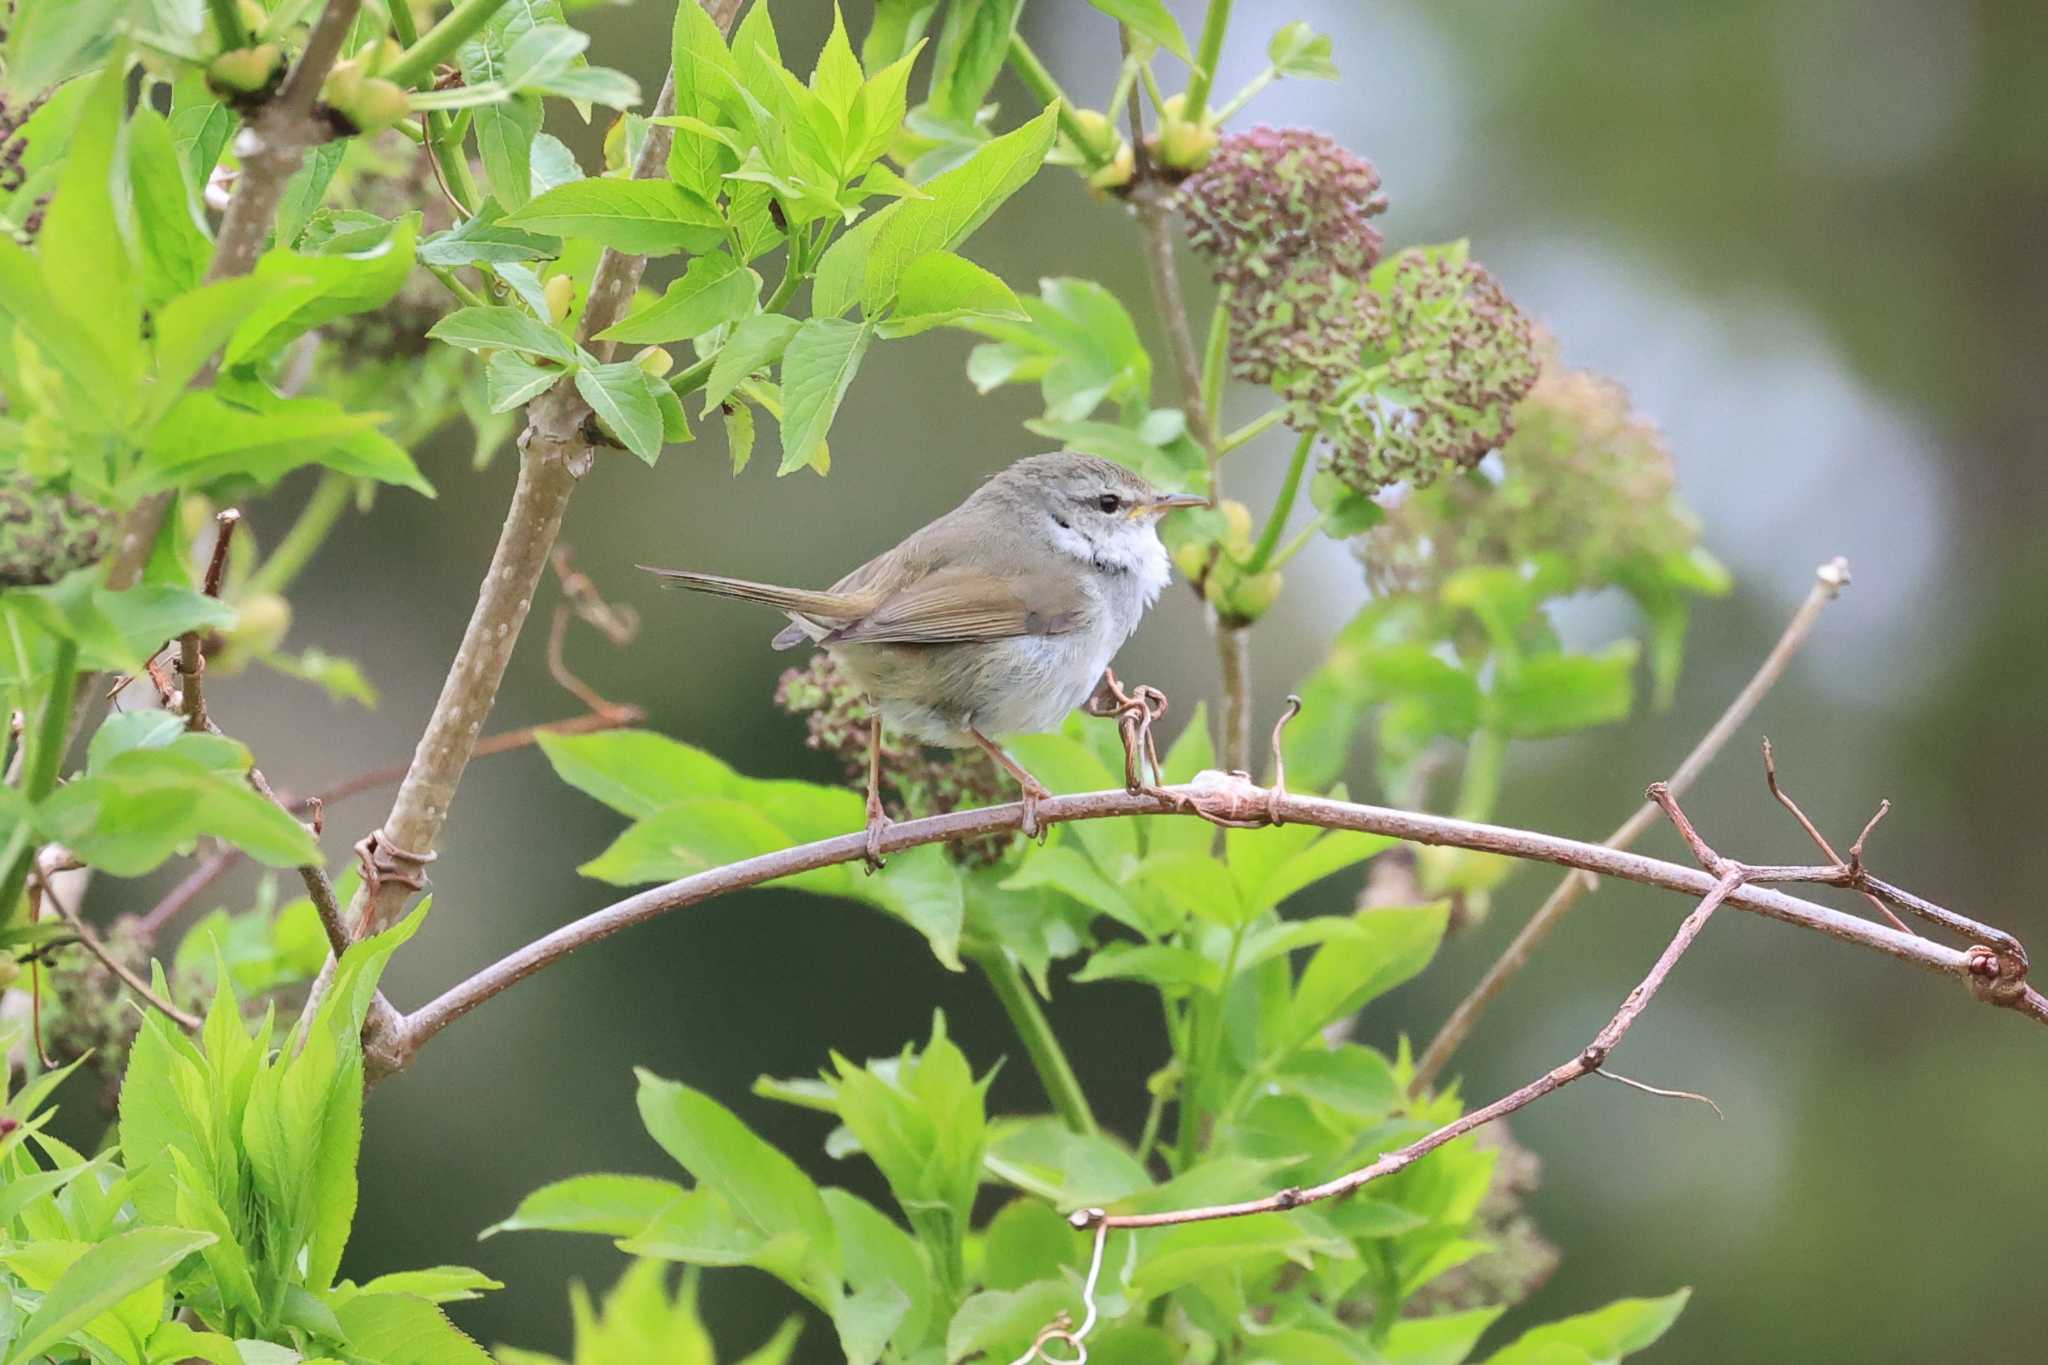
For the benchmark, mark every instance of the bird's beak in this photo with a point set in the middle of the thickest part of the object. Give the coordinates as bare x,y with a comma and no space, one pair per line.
1166,502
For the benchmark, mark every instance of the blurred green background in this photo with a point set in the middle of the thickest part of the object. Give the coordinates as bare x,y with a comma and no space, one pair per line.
1813,241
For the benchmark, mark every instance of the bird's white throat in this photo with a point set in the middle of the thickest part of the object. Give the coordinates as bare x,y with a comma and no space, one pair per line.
1133,548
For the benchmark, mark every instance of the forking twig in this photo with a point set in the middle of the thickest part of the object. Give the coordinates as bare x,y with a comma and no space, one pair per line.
191,657
1829,580
1591,1059
1820,840
44,891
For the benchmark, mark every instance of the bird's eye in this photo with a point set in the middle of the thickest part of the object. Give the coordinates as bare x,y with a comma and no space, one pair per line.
1109,502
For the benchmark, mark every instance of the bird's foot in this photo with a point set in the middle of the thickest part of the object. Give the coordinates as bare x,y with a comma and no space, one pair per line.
1029,826
878,825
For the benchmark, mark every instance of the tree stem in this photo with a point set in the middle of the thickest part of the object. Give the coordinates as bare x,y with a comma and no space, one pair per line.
1055,1073
1283,506
1210,48
39,771
418,61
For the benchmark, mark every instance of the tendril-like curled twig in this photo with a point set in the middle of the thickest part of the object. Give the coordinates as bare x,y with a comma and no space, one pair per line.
1061,1328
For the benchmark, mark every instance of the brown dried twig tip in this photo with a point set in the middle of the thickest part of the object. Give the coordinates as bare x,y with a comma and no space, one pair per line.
618,624
191,651
1820,840
1279,788
1136,713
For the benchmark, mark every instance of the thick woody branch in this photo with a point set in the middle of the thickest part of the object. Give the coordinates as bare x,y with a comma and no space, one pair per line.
1994,967
271,146
555,451
1829,580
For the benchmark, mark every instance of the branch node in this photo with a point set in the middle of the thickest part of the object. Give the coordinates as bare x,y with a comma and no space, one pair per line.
1856,849
384,862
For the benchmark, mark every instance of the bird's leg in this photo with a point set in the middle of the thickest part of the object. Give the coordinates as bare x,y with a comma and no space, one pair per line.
878,819
1034,790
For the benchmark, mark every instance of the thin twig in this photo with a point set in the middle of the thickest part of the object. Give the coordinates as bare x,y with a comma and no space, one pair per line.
211,869
1994,968
1829,580
1590,1059
93,945
1820,841
619,714
191,657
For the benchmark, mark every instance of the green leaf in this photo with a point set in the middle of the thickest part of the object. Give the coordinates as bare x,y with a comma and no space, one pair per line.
739,434
941,288
686,838
753,346
1180,1255
1067,871
1555,694
622,395
1299,51
100,1279
485,239
866,265
1151,18
1080,344
1043,1156
302,291
894,30
175,249
83,256
505,131
510,379
615,1205
304,191
190,329
817,369
143,805
503,328
205,437
1355,1081
399,1329
636,772
969,55
921,887
642,217
719,1151
997,1324
435,1284
1597,1338
1164,965
715,290
1446,1339
1392,946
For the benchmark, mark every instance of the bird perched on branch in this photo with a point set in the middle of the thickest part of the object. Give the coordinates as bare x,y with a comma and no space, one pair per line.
998,618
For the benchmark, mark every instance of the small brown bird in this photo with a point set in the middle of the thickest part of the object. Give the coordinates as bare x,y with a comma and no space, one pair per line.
998,618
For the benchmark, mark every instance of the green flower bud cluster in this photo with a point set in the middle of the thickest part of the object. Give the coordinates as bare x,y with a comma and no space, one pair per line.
1586,483
47,530
914,782
1447,356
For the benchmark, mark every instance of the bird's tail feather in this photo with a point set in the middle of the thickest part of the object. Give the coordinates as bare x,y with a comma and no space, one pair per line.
826,607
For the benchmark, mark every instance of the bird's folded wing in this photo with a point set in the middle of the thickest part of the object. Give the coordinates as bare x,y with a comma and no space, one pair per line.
961,605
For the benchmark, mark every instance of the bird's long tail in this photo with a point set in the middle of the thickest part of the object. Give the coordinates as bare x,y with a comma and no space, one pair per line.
825,608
